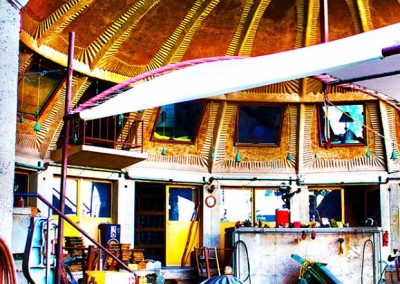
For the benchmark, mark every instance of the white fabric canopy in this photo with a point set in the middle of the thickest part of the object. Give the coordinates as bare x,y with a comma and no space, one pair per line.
221,77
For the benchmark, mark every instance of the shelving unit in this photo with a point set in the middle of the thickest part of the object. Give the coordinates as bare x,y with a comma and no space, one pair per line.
150,224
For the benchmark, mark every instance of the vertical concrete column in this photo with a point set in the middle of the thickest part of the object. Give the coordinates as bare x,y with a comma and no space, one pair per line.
9,54
211,220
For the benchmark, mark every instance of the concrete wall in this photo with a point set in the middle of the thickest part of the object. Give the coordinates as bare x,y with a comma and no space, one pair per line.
270,250
9,54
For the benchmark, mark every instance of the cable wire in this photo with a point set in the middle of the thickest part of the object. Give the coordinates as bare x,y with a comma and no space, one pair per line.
236,245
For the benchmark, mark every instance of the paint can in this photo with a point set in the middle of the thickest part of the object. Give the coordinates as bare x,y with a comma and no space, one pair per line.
282,217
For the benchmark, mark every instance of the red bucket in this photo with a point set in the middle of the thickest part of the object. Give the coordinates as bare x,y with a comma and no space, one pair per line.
282,218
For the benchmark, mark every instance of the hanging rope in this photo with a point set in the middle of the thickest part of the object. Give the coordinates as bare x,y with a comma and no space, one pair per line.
326,117
7,266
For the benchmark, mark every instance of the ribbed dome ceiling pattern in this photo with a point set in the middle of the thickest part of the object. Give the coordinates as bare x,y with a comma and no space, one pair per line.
116,39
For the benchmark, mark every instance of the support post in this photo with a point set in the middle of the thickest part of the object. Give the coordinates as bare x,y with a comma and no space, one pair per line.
68,96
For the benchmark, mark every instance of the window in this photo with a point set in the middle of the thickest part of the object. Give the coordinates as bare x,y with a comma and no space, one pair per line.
178,122
236,205
92,198
21,185
96,199
259,125
182,203
267,201
71,196
342,124
326,203
36,88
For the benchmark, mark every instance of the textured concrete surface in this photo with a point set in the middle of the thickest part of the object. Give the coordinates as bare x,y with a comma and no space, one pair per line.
270,251
9,54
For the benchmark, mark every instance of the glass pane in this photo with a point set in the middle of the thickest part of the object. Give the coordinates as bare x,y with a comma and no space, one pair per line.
181,204
178,122
96,199
71,195
36,87
325,204
235,205
20,186
345,124
259,124
266,204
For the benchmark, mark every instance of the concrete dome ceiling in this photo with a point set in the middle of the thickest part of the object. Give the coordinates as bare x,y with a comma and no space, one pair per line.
116,40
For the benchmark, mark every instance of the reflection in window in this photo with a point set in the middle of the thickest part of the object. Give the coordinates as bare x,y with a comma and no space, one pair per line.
343,124
259,124
267,201
96,199
325,203
71,195
181,203
235,205
178,122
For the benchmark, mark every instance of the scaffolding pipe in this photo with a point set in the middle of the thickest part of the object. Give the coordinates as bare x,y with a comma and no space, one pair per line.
68,97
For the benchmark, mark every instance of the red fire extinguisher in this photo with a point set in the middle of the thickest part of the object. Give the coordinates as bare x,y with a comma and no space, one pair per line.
385,239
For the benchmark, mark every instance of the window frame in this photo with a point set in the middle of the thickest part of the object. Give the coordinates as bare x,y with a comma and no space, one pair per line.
342,201
45,66
79,195
173,141
279,132
321,130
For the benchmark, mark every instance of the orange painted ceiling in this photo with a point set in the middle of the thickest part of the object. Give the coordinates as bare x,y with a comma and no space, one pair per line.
119,39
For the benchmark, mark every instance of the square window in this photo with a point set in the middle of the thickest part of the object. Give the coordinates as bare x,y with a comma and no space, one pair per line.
259,125
178,122
342,124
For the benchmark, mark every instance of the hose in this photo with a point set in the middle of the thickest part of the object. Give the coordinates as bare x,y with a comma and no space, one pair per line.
7,267
363,253
235,246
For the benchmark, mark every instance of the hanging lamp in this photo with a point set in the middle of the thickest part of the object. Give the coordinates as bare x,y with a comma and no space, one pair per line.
368,153
238,158
212,155
394,154
37,124
120,119
163,151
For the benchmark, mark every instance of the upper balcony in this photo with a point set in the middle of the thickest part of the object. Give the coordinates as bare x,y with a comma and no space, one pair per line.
111,143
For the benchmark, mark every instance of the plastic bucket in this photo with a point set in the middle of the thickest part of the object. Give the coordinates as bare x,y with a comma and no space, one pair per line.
282,218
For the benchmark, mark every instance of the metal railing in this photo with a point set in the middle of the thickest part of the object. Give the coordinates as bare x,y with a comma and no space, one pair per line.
64,217
116,132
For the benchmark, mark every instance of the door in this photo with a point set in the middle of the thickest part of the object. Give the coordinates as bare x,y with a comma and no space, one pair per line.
182,228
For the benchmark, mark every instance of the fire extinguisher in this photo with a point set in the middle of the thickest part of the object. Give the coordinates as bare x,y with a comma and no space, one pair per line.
385,239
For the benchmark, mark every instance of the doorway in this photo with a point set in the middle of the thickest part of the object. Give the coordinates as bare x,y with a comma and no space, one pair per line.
150,220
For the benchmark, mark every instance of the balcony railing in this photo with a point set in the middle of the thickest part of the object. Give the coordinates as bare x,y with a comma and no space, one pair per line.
118,132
